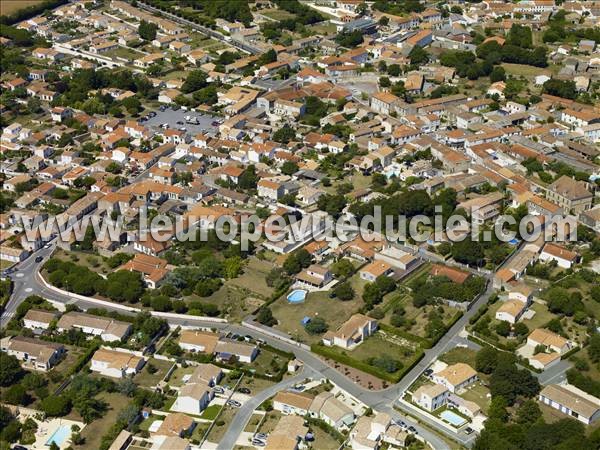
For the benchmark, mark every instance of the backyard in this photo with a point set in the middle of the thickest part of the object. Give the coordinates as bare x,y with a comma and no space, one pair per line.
317,304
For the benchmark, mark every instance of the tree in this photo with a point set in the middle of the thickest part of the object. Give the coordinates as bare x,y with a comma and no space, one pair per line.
10,369
498,74
385,363
194,81
468,252
344,291
529,412
248,179
349,39
560,88
332,204
16,395
285,134
147,30
289,168
498,409
265,316
418,56
594,348
343,268
317,325
56,405
486,360
503,328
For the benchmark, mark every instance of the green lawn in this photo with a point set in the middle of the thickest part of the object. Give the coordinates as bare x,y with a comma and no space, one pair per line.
211,412
147,379
176,378
253,423
253,278
268,363
317,304
459,355
124,52
92,261
277,14
269,422
222,423
478,394
378,345
94,431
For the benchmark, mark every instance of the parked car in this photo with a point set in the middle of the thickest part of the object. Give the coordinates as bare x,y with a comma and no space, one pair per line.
39,259
234,403
412,429
469,430
244,390
261,436
218,389
258,443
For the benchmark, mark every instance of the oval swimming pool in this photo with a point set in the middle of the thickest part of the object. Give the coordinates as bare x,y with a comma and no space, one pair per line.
296,296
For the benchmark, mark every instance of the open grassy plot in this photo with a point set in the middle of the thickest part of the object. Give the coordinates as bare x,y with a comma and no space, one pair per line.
158,366
253,278
317,304
269,363
277,14
460,355
381,355
176,378
269,422
525,71
478,393
542,316
218,430
92,261
232,301
255,384
8,7
124,52
253,423
94,431
211,412
324,440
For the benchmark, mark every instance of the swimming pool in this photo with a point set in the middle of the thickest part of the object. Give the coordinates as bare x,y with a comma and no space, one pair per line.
296,296
453,418
60,435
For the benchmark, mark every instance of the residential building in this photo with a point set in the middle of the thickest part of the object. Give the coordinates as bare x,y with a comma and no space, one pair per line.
116,363
571,401
109,330
431,396
456,376
33,353
352,332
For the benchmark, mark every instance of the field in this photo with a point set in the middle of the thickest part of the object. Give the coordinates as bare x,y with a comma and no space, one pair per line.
317,304
277,14
478,393
459,355
94,431
145,378
92,261
218,430
8,7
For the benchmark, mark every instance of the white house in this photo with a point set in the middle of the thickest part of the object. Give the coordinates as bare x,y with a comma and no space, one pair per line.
195,395
289,402
552,252
351,333
571,401
456,376
38,319
198,341
431,397
116,363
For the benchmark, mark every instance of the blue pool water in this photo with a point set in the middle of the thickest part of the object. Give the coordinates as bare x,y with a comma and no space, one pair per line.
296,296
59,436
513,241
454,419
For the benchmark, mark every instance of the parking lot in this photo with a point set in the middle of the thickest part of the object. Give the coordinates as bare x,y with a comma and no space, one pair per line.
171,117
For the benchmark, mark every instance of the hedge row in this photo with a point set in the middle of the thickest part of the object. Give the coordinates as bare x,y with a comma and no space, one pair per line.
332,353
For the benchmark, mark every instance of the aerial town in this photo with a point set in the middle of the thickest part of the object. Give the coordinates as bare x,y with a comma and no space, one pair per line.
160,159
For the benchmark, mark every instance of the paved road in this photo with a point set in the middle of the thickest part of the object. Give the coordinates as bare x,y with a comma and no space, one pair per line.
28,282
241,418
207,31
